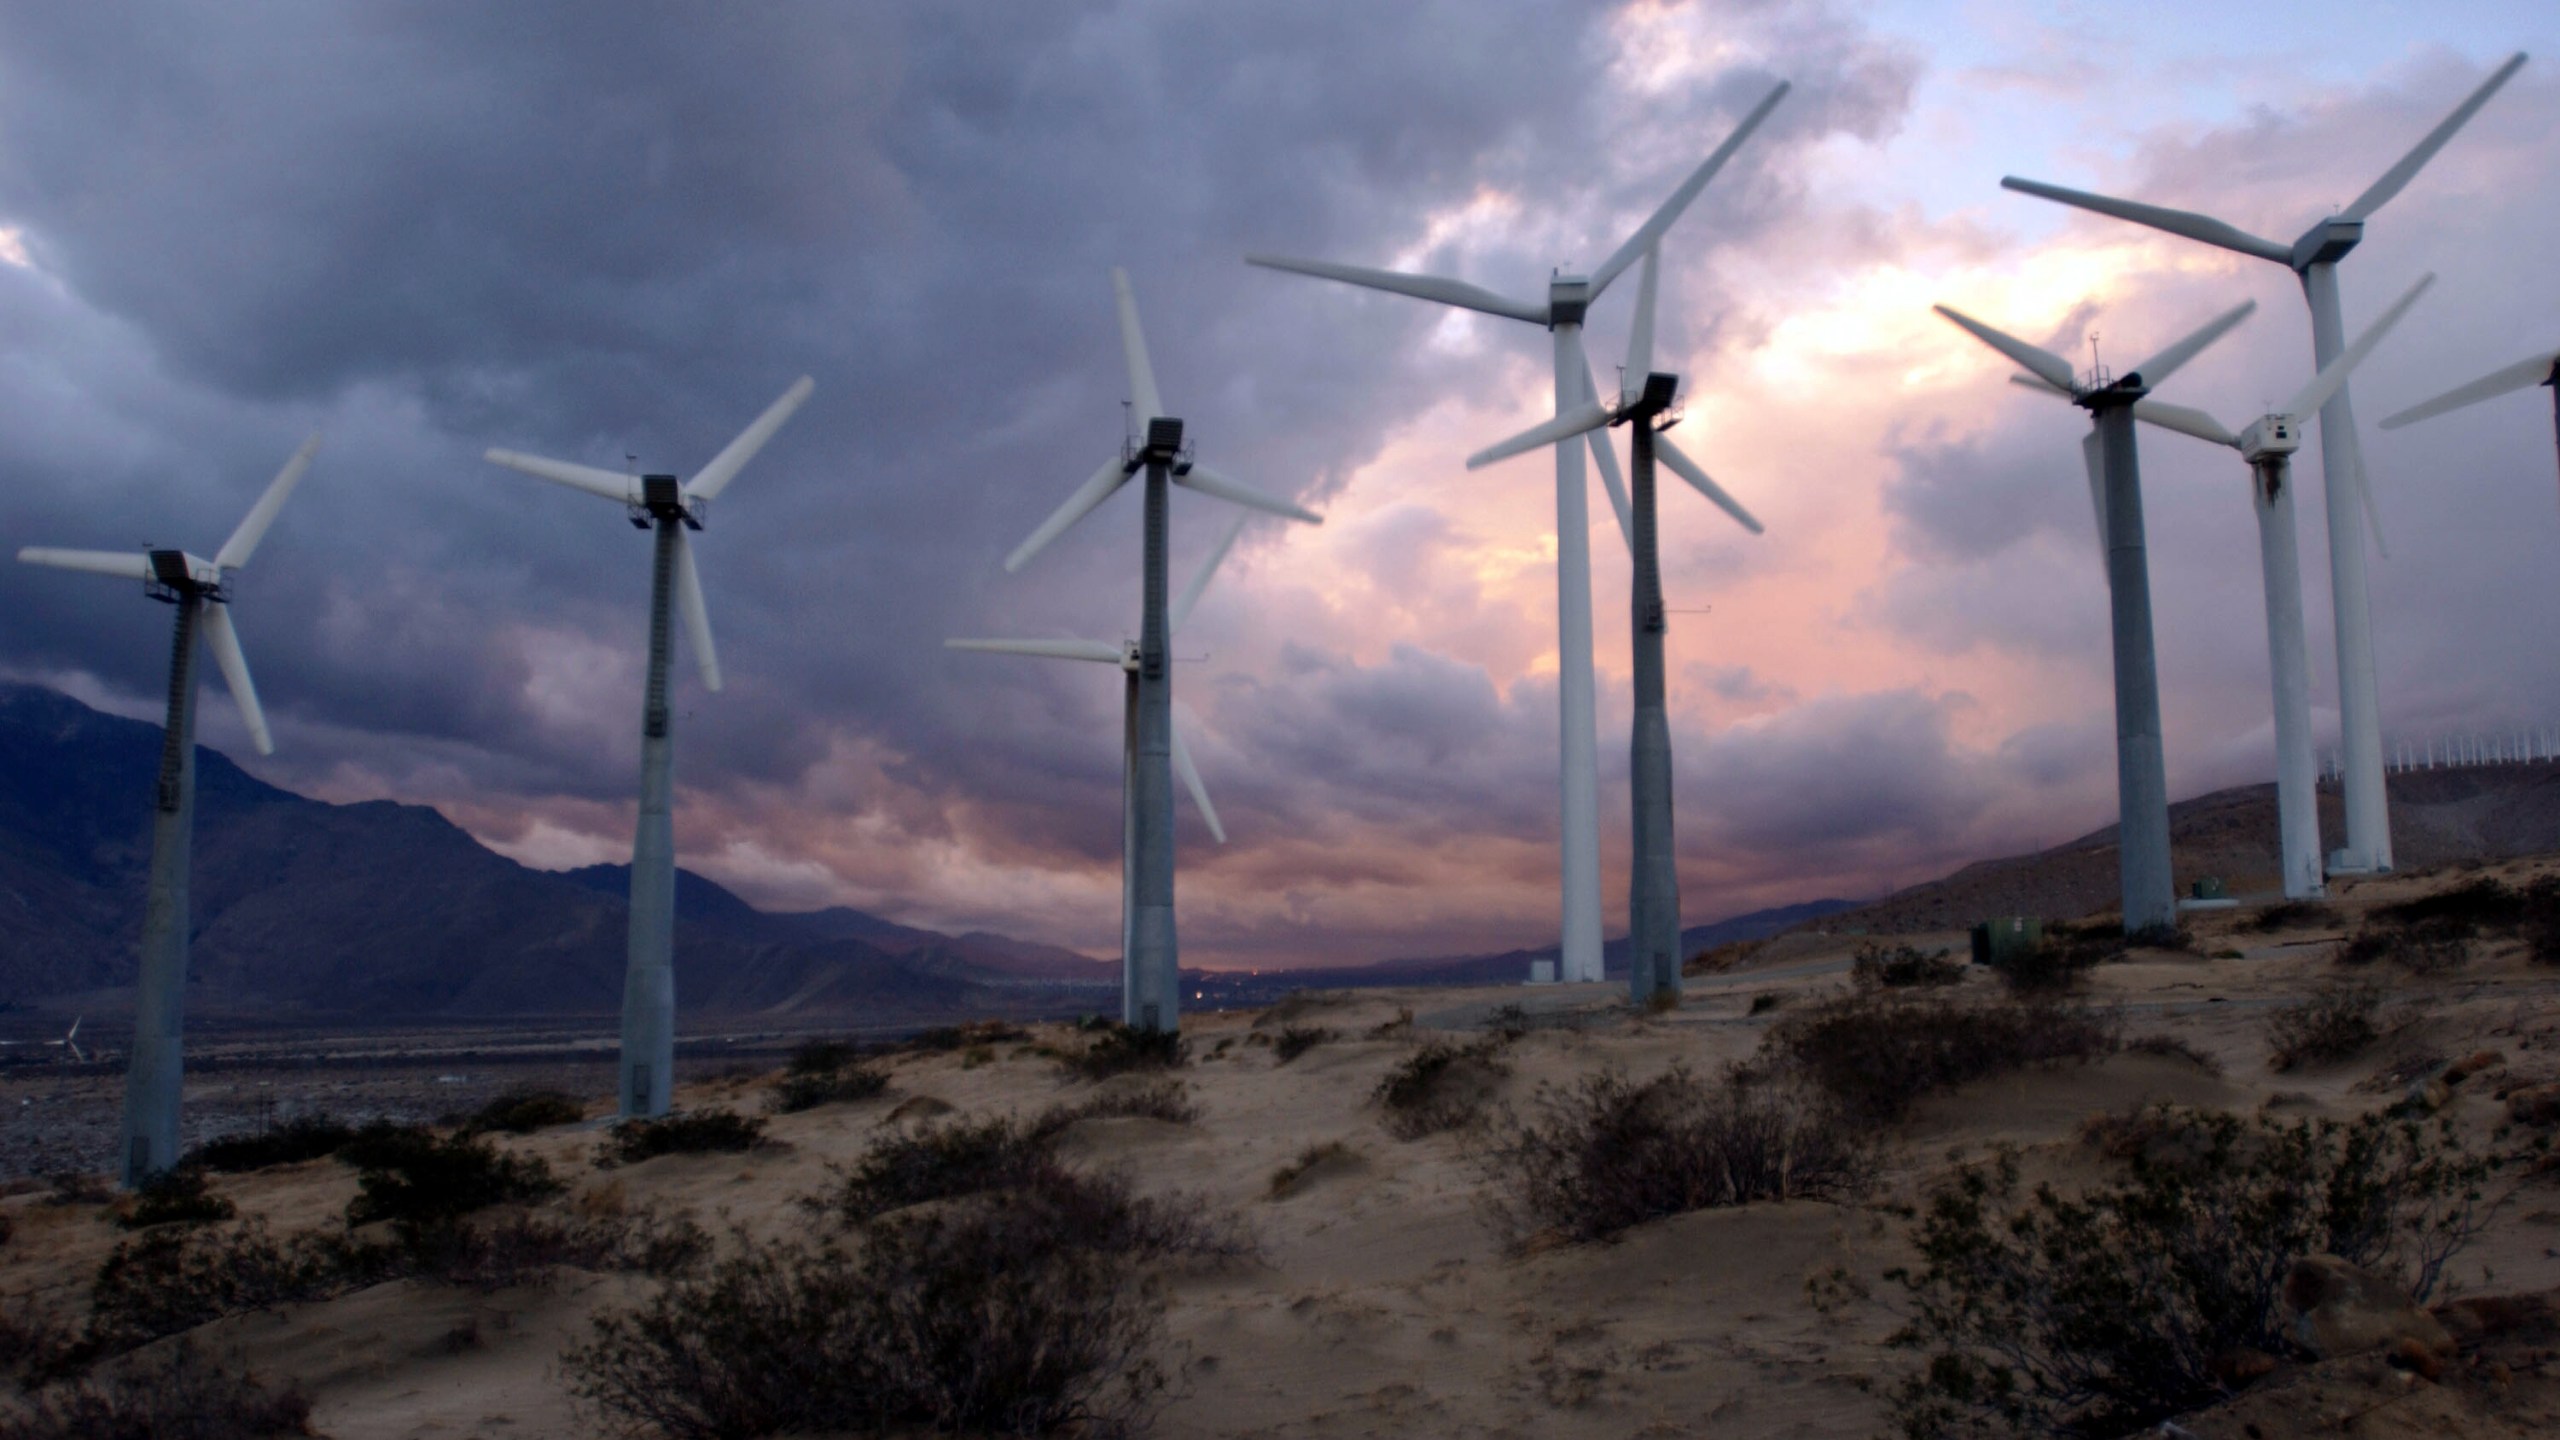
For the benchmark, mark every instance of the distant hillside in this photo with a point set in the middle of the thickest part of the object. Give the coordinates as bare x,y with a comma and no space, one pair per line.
1513,965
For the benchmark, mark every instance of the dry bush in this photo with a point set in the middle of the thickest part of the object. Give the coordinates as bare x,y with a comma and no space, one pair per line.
2099,1314
175,1197
1127,1049
2335,1022
977,1034
1902,967
1284,1180
305,1137
1296,1040
1605,1153
2177,1047
801,1090
523,1249
938,1162
1442,1086
825,1057
1168,1100
1716,959
418,1178
1876,1053
683,1132
2287,915
2066,954
180,1397
170,1281
523,1111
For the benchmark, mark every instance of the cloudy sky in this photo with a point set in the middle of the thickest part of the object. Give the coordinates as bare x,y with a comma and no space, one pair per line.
606,230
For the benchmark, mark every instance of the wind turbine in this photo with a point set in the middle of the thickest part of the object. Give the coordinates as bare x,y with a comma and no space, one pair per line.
1151,959
1643,405
2542,369
2268,444
199,591
69,1044
1139,989
670,507
1568,298
2313,257
2142,782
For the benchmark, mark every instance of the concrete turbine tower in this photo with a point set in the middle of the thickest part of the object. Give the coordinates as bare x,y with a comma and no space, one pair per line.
2542,369
1140,991
2314,258
1151,959
669,507
2142,780
1568,297
199,591
2268,445
1643,405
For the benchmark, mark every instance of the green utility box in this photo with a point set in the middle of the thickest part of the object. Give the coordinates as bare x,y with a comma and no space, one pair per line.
2208,888
1996,942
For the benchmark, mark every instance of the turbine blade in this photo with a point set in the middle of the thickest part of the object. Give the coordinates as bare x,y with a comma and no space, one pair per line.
1190,596
1421,287
1589,415
724,467
2040,385
122,564
2364,492
619,488
2536,371
224,641
2334,374
1604,456
2093,453
1133,347
1640,339
1095,650
2185,420
1687,469
235,551
2176,222
697,615
1662,219
2055,370
1191,782
1113,474
2410,164
2168,362
1235,492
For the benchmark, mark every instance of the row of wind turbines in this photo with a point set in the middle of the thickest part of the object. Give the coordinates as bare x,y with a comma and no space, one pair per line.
1160,456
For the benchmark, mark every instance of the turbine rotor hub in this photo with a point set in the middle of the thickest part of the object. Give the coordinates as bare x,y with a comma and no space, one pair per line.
662,497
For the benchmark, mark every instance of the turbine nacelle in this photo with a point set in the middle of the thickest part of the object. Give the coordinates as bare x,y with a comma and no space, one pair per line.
663,497
2270,435
2326,243
1569,298
176,575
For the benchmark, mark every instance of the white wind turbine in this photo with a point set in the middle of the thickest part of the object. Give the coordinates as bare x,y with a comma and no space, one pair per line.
2313,257
1561,312
2268,444
200,592
1137,990
670,507
2142,779
1643,405
2542,369
1151,958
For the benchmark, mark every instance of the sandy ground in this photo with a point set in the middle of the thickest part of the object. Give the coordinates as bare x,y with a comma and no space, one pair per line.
1383,1303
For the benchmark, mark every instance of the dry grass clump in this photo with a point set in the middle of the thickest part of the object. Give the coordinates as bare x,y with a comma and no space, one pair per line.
1717,959
182,1396
1902,967
1607,1153
825,1072
1296,1040
1127,1049
415,1177
2172,1046
2336,1022
2287,915
1168,1100
2433,934
977,1034
684,1132
1875,1053
1443,1086
304,1137
1324,1154
525,1110
175,1197
938,1162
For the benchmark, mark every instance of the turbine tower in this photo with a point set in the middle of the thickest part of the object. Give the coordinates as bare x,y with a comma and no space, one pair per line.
1151,959
2314,258
199,591
1139,990
2268,445
669,507
2542,369
1643,405
1568,298
2142,781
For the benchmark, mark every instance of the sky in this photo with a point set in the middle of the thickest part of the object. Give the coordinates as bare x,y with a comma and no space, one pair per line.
606,231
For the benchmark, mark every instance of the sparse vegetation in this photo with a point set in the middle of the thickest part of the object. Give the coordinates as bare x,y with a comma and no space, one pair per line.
175,1197
1124,1049
1607,1153
2175,1047
521,1112
1901,967
1296,1040
799,1089
2066,954
1875,1053
415,1177
182,1396
1323,1154
2335,1022
824,1057
685,1132
1167,1100
977,1034
1442,1086
2098,1314
938,1162
2288,915
304,1137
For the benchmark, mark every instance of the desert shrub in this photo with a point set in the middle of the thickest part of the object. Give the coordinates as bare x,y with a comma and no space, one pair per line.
1717,959
1297,1040
2177,1047
170,1281
77,1187
175,1197
685,1132
1166,1100
1123,1049
799,1089
304,1137
520,1249
2097,1314
1766,1001
384,1142
182,1396
1607,1153
416,1177
2539,922
7,1229
1285,1180
2335,1022
2285,915
976,1033
1877,967
823,1057
2464,909
1442,1086
1875,1054
938,1162
2066,954
521,1112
